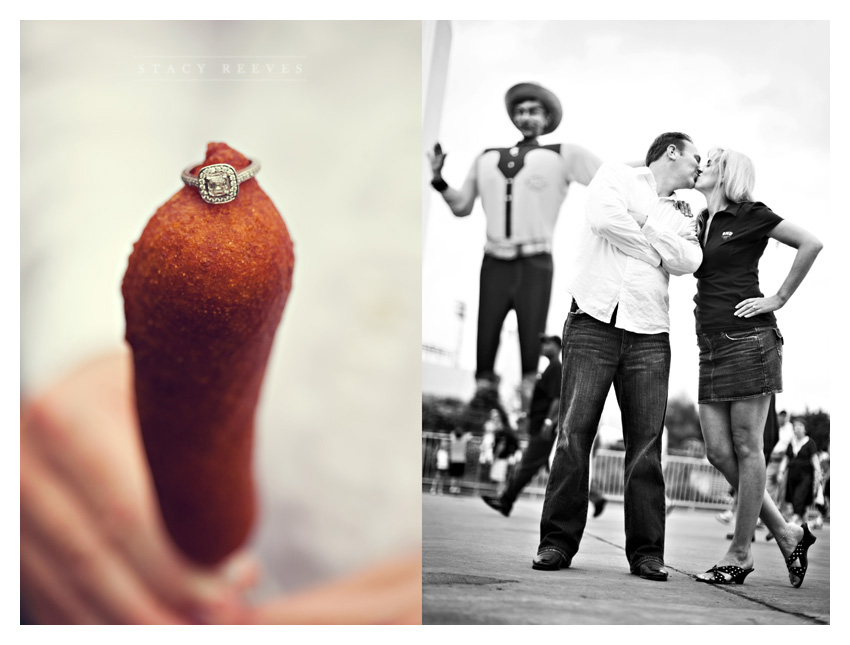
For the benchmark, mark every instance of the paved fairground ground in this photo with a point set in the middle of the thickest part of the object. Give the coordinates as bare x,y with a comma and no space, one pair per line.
476,569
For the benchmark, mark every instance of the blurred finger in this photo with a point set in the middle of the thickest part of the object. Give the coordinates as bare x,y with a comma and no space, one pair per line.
117,491
242,571
389,593
57,528
386,594
397,570
48,600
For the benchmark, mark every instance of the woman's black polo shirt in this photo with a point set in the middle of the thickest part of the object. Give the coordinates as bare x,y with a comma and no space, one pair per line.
729,272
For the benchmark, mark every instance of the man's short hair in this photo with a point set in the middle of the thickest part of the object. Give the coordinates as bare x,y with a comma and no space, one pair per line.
661,143
550,339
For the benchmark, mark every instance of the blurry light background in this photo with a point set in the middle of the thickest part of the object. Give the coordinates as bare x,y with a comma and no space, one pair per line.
104,137
759,87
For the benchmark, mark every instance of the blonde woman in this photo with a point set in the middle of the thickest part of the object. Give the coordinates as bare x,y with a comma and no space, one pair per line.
741,352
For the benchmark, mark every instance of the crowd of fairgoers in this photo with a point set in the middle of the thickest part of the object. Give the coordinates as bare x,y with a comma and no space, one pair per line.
483,463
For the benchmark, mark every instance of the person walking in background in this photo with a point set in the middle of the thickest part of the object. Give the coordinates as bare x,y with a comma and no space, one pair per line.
822,496
488,444
541,420
740,361
442,459
522,188
804,474
506,446
617,332
775,486
458,441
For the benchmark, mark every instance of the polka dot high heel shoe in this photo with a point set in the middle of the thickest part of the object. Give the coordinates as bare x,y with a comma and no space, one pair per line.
725,575
801,553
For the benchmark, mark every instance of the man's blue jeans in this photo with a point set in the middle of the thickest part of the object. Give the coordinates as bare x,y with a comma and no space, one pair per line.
595,355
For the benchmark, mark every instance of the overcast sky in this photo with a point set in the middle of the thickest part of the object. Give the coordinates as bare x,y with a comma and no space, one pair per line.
759,87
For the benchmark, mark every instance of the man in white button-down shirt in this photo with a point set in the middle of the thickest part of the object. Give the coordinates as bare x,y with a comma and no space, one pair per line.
635,235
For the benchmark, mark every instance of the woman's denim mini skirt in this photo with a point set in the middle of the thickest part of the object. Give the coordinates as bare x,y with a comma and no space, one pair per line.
741,364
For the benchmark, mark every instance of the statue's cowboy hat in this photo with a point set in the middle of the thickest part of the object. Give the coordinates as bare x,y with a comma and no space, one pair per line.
525,91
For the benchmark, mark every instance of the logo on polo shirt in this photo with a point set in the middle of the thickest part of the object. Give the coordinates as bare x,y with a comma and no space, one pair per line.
536,183
726,235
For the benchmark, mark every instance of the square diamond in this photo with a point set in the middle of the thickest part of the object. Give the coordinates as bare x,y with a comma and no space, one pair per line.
218,183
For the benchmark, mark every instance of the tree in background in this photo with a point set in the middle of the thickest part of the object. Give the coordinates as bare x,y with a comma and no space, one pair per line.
441,414
444,414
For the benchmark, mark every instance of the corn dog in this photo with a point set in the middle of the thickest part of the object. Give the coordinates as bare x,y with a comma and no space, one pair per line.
204,292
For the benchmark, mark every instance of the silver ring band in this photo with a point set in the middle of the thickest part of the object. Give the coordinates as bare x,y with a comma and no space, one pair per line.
219,183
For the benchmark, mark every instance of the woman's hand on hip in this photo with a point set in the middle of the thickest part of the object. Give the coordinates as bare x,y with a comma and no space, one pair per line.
755,306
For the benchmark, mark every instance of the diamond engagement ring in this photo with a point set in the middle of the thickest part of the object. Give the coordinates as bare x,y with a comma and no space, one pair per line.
219,183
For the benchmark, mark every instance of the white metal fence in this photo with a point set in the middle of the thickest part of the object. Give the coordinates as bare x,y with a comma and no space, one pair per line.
690,482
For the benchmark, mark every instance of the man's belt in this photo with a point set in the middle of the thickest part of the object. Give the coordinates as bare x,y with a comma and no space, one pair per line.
512,251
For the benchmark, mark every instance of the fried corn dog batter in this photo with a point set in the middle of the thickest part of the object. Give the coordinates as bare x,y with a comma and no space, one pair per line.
204,292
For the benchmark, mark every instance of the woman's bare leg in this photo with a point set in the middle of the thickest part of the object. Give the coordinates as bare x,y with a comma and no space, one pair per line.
747,420
733,440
